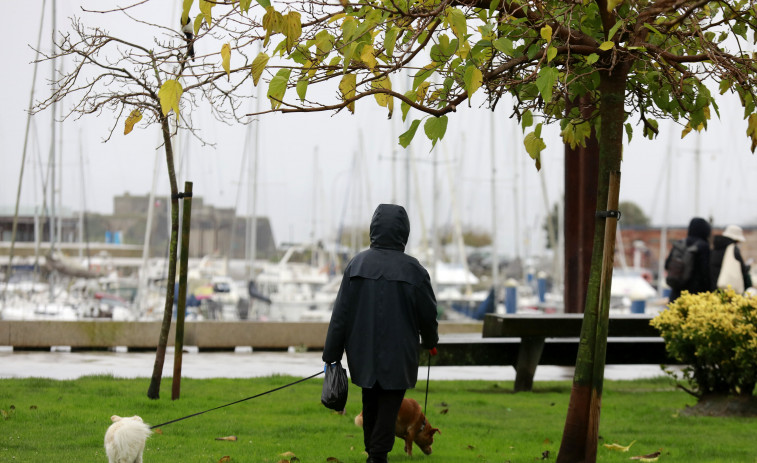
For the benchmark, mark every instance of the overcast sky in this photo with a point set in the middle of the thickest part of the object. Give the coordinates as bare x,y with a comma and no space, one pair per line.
297,193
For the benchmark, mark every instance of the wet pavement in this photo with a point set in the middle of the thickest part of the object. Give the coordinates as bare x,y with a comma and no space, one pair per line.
246,364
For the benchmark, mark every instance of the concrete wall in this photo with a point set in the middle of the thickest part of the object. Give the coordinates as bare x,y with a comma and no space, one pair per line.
204,335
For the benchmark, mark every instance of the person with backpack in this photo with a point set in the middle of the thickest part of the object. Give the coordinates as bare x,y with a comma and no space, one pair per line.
691,271
727,267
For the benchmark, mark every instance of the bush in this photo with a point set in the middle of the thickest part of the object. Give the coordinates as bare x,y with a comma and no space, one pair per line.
715,334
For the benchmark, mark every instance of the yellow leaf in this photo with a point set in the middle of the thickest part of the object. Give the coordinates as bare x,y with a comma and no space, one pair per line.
619,447
686,130
185,11
133,118
546,32
611,4
367,56
606,45
384,99
198,23
258,66
420,92
226,59
205,8
751,130
347,87
169,95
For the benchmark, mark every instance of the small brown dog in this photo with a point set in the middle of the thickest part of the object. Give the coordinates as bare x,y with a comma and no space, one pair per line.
411,426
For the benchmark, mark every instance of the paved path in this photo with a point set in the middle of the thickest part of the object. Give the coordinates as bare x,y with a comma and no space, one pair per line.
72,365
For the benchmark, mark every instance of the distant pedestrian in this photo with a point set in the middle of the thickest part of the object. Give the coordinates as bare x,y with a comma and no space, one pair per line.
384,312
700,280
726,263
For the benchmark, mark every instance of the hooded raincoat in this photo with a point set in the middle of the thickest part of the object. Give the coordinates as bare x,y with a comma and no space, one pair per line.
385,309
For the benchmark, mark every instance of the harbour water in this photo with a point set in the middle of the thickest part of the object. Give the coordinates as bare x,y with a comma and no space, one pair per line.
65,365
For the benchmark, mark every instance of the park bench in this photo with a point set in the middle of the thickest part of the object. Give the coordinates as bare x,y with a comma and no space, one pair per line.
525,341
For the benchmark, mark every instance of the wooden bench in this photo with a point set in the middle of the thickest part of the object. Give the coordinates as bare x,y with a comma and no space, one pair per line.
525,341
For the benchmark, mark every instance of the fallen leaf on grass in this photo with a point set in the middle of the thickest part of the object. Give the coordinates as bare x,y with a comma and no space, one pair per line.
647,458
471,447
158,431
225,459
547,441
334,460
444,412
619,447
231,438
286,454
33,407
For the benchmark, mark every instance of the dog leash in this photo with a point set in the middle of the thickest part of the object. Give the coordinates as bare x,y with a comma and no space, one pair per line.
428,377
238,401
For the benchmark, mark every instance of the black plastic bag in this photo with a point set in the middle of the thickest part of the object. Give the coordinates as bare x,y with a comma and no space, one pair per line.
334,395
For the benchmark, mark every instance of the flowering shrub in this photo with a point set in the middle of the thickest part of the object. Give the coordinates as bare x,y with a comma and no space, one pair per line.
716,335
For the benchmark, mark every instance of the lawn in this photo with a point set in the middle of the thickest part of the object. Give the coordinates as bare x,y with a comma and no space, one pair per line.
481,421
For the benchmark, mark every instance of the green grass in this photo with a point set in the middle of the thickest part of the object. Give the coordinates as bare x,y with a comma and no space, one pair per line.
481,421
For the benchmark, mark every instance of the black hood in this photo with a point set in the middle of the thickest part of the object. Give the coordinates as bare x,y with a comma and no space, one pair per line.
390,227
721,242
699,228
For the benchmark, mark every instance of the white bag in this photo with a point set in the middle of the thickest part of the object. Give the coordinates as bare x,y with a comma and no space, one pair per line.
730,272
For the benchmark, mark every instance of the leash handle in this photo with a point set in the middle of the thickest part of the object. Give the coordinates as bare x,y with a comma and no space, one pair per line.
238,401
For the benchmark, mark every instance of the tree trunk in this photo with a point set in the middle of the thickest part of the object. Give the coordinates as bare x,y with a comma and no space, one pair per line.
579,441
153,392
580,175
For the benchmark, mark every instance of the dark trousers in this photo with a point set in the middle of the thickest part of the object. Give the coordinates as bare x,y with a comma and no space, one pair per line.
380,408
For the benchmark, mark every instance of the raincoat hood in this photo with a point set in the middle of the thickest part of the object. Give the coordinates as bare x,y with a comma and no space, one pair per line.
699,228
390,227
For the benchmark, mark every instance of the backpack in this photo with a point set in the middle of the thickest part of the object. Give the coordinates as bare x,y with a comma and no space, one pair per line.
680,264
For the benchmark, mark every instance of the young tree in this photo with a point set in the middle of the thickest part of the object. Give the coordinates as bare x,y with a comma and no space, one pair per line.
140,81
606,67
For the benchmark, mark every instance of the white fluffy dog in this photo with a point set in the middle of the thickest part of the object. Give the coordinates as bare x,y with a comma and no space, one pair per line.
125,439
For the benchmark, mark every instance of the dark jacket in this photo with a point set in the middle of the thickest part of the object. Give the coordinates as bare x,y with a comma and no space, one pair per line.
719,245
700,282
384,304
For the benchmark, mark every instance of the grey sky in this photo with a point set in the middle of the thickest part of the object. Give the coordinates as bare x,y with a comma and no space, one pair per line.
295,195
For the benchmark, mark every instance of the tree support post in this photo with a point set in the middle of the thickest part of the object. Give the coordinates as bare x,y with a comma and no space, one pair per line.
181,308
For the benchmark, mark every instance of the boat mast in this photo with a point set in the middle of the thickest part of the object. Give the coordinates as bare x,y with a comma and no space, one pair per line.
14,227
495,251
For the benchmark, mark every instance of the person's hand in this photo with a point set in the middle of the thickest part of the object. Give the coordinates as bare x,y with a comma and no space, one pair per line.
433,351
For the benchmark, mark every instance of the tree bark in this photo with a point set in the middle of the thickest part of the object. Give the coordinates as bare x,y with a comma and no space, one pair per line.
153,392
579,441
580,175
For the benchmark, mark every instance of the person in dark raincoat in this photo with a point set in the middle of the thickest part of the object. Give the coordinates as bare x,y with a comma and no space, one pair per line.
384,312
732,235
700,281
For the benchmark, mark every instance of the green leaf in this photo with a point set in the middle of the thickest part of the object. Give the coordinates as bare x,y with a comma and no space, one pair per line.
551,53
347,86
258,66
278,87
534,146
457,21
244,5
408,136
611,4
493,5
473,80
302,87
607,45
404,107
390,39
629,131
197,23
292,28
324,42
435,128
504,45
205,8
264,3
614,29
576,133
423,74
169,95
591,59
527,119
546,82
